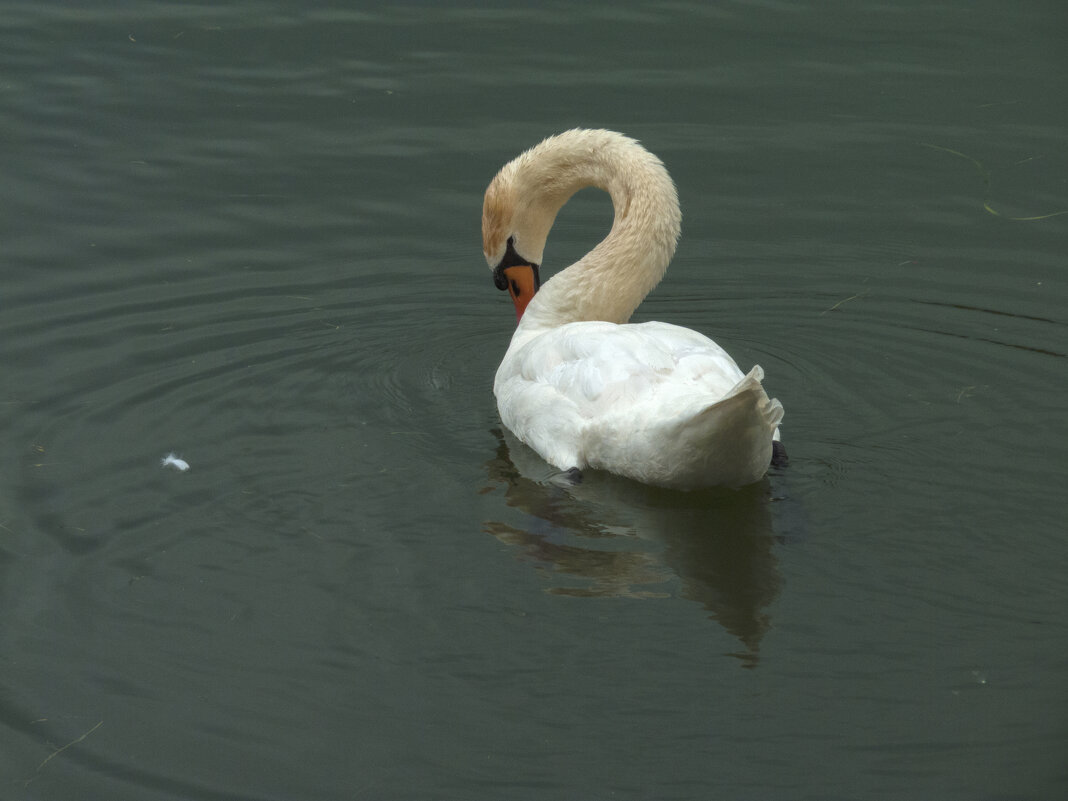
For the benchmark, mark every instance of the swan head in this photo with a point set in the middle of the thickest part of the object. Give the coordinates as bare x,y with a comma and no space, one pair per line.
514,230
519,276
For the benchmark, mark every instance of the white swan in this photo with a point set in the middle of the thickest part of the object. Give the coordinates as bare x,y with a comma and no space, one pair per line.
654,402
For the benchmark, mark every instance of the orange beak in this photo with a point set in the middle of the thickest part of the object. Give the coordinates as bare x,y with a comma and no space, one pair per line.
519,276
522,285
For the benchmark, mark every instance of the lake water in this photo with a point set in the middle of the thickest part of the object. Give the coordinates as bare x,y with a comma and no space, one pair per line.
249,234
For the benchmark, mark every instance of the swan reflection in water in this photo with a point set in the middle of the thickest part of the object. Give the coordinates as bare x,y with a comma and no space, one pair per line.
610,537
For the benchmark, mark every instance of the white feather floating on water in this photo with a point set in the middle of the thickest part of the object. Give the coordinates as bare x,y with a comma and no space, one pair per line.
170,460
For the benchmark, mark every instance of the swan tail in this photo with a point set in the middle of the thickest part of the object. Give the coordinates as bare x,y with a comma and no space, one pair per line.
729,442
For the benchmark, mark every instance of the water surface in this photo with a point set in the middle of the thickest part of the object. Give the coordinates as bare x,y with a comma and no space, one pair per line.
250,235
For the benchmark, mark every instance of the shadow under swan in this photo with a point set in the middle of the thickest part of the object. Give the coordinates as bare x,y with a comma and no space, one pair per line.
610,537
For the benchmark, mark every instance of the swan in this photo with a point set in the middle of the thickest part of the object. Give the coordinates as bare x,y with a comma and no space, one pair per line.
653,402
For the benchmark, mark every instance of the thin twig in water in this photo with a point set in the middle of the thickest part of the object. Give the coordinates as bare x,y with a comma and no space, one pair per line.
59,751
983,171
839,303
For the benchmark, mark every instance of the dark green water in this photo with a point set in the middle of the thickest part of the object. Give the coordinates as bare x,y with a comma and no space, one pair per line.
250,234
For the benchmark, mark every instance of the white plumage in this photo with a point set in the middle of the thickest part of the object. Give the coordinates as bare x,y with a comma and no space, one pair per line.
654,402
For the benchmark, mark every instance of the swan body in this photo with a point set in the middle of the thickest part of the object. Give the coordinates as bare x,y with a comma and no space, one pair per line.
654,402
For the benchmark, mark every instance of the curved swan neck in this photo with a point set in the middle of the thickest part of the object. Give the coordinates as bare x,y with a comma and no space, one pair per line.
610,281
